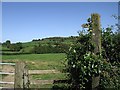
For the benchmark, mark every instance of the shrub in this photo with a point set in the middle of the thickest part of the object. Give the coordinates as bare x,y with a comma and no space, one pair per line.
83,64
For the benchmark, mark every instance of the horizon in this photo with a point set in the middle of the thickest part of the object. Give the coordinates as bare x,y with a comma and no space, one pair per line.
25,21
40,39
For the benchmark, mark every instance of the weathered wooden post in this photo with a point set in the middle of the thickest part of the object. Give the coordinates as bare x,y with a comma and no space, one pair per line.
21,76
96,40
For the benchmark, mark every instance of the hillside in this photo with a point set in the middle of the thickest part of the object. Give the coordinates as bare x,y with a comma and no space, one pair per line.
52,40
44,45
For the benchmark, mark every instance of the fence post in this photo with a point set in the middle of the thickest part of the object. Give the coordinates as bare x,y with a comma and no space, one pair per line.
96,39
21,76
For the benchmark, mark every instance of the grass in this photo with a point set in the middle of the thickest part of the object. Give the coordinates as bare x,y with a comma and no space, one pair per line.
34,57
3,48
49,76
40,62
2,76
50,87
59,76
42,87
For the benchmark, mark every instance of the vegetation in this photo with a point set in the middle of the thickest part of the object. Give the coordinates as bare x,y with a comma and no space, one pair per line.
58,48
40,46
111,45
84,59
7,43
83,63
38,61
49,76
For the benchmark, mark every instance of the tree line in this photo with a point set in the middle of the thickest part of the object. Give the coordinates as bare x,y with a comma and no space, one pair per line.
38,48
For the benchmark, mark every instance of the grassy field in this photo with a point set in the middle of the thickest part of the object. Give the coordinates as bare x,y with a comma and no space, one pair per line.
38,61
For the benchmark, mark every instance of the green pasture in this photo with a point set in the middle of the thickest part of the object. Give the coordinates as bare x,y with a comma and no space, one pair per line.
38,61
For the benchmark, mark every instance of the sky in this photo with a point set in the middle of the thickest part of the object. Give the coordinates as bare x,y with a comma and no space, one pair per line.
25,21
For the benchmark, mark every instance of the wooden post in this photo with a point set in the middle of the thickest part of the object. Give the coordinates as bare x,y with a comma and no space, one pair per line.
96,39
96,33
21,76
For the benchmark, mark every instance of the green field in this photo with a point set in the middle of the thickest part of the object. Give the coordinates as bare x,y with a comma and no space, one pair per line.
38,61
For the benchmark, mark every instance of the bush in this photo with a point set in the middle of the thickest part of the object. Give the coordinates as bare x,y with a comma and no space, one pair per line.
110,75
59,48
82,64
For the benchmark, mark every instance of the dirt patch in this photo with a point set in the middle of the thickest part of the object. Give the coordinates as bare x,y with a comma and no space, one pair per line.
7,87
43,71
8,78
42,82
8,68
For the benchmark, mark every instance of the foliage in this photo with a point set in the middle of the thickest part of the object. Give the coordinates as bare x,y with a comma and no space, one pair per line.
40,46
16,47
26,50
83,64
111,64
111,45
7,43
12,47
57,48
110,75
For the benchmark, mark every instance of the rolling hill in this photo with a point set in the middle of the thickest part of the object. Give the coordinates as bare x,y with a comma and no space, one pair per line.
44,45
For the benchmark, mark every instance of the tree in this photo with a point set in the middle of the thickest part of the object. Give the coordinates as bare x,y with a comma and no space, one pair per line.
16,47
8,43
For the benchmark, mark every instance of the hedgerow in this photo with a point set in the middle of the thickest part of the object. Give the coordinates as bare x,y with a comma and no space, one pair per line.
83,64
